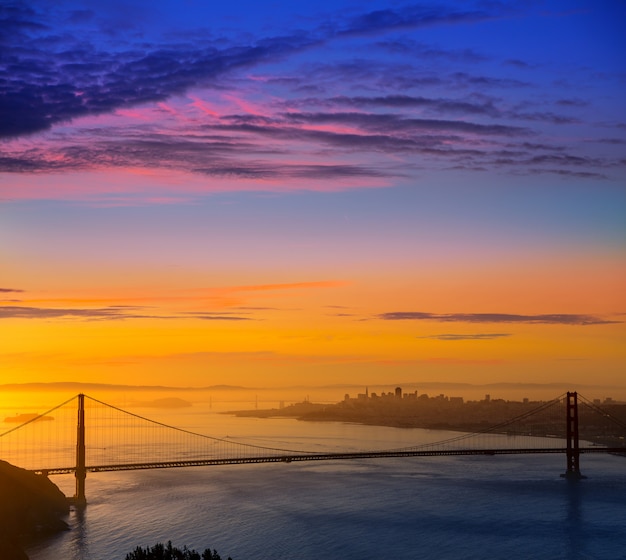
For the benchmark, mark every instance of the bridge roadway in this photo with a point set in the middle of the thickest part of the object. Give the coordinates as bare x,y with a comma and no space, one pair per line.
323,457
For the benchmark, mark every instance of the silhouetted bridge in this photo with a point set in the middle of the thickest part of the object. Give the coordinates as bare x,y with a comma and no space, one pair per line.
122,441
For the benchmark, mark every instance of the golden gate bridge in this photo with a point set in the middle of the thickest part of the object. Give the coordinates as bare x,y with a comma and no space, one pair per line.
88,435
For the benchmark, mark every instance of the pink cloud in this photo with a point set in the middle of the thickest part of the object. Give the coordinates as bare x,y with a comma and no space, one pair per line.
138,114
245,105
203,106
138,186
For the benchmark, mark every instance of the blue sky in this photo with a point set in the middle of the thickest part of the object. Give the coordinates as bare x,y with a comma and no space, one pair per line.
387,158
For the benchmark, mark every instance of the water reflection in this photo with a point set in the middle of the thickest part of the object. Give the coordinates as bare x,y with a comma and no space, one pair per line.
79,541
574,528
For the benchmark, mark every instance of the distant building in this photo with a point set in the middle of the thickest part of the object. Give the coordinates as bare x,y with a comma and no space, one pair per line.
398,392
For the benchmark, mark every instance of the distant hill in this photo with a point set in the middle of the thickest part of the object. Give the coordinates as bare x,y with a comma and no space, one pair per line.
78,386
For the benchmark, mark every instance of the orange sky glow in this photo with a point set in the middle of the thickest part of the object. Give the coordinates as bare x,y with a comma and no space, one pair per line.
375,204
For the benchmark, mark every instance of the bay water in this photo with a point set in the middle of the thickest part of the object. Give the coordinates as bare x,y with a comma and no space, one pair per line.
503,507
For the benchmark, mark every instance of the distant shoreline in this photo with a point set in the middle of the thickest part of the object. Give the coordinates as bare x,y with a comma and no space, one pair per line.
441,413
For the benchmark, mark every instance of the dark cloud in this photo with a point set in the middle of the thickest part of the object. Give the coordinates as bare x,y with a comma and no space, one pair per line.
383,141
342,315
222,318
454,337
465,79
333,171
408,17
543,117
614,141
30,163
244,146
517,63
570,165
550,319
50,78
407,101
393,122
222,156
216,158
18,18
47,83
567,173
428,52
105,313
562,159
10,290
572,102
534,146
16,312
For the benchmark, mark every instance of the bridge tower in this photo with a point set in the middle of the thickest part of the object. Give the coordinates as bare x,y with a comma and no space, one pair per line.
81,471
571,434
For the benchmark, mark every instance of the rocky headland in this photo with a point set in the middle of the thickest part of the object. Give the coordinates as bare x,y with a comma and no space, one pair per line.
31,507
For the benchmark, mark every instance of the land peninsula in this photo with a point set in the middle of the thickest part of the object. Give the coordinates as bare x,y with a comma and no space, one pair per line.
410,410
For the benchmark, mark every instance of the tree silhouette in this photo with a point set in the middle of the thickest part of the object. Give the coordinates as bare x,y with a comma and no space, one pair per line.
169,552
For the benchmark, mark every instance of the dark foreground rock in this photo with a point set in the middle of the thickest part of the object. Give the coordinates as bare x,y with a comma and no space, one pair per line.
31,507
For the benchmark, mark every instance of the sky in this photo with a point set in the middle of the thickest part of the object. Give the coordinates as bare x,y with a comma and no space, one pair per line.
289,193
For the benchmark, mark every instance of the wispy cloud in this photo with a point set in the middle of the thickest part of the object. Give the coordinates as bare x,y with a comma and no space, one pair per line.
10,291
440,105
407,17
391,122
215,108
455,337
193,304
548,319
56,78
106,313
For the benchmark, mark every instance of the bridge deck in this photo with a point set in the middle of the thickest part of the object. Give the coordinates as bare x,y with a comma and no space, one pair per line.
324,457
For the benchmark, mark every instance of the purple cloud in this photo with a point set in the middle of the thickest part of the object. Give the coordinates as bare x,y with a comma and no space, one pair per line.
60,64
549,319
105,313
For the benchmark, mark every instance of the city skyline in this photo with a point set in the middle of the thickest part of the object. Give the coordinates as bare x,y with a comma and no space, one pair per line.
347,192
